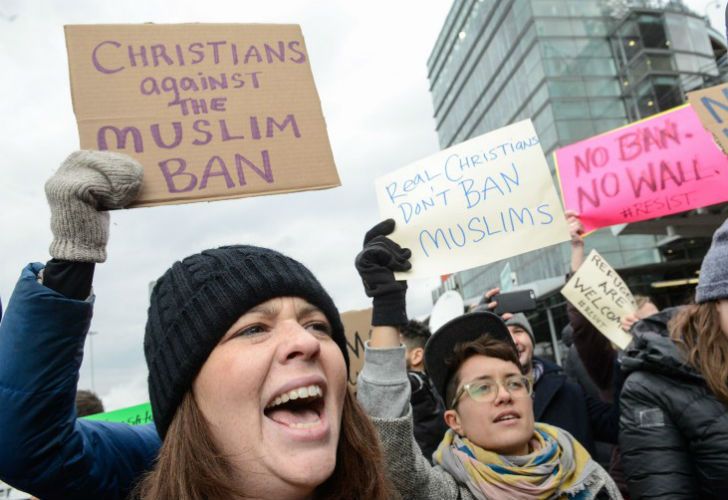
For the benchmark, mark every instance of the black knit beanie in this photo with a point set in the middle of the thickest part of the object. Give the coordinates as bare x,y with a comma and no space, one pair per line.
198,299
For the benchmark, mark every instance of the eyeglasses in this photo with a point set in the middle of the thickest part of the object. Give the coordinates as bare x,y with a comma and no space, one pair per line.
485,391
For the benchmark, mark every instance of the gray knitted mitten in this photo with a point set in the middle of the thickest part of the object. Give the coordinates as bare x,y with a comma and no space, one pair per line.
85,185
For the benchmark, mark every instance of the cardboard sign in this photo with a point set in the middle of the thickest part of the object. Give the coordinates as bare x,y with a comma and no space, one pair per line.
133,415
600,295
481,201
662,165
210,111
358,330
711,105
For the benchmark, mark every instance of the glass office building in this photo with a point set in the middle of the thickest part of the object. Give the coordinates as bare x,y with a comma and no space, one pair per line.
576,68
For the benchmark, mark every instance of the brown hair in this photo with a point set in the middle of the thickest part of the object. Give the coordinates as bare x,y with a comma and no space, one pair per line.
696,329
483,346
190,467
88,403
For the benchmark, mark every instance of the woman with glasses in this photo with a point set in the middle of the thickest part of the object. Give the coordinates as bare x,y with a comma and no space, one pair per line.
493,448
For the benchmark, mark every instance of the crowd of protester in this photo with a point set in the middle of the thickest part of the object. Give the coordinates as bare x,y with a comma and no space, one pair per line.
248,370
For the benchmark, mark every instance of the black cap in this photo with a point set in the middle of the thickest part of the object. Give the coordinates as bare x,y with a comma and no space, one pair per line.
464,328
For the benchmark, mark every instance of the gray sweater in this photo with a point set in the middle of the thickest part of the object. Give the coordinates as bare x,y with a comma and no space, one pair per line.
383,389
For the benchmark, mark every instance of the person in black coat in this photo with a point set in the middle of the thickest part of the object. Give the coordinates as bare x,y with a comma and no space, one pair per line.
428,409
674,402
559,401
574,367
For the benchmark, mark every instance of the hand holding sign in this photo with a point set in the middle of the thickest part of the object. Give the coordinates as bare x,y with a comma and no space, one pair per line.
576,228
576,231
376,263
481,201
86,185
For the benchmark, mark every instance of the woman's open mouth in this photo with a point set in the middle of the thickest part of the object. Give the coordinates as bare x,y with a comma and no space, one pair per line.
301,408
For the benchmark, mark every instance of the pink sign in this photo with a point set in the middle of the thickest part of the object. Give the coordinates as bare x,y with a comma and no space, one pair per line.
662,165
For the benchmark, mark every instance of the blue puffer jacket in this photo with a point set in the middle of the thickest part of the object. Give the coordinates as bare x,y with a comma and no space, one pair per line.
44,449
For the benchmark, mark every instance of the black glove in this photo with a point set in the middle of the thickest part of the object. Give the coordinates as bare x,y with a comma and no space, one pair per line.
376,263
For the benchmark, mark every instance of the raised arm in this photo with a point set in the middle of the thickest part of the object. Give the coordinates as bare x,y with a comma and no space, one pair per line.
388,393
44,449
594,349
383,388
576,231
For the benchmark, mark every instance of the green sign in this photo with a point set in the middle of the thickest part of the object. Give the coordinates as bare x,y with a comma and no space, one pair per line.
133,415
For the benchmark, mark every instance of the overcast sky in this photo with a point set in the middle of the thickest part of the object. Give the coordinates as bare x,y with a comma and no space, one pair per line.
369,63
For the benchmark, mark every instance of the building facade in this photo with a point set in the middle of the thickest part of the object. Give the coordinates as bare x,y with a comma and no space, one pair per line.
576,68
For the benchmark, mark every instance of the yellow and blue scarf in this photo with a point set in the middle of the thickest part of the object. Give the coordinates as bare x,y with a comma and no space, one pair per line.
559,467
